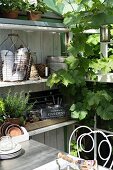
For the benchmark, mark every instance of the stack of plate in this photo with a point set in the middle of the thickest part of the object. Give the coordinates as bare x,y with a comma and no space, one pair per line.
16,151
8,147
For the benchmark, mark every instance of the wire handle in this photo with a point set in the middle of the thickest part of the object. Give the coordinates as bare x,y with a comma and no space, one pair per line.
14,43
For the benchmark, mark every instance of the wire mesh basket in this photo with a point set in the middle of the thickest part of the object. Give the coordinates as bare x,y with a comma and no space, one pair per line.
15,61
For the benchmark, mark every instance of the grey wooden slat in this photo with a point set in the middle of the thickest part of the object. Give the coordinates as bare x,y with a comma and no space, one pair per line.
39,138
50,138
60,138
69,131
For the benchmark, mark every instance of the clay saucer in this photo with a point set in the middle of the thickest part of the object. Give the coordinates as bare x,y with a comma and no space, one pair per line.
13,130
3,127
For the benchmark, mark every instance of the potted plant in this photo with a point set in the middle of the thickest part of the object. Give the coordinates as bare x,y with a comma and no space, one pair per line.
10,8
35,9
16,107
2,110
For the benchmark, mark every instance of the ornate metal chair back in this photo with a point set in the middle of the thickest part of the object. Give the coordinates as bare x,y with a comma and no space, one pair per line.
94,147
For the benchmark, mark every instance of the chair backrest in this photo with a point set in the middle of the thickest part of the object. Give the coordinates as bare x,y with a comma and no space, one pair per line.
94,147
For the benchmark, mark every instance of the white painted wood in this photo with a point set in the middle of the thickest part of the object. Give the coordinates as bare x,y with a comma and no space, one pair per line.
3,36
56,45
92,31
103,49
42,43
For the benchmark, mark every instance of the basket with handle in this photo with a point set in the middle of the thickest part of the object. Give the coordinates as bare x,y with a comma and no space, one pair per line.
16,61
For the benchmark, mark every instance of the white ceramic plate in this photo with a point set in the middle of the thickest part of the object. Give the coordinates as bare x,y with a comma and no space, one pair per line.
9,156
15,149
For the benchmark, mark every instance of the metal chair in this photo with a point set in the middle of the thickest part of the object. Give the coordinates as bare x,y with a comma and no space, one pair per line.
94,147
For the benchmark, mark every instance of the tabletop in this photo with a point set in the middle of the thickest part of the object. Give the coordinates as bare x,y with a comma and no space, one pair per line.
33,156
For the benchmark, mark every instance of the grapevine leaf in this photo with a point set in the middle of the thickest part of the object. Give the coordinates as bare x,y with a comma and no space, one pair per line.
72,108
82,114
75,115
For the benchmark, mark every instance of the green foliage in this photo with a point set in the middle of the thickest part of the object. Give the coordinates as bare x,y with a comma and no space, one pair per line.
84,60
2,106
77,112
11,5
16,105
2,110
91,102
39,6
74,149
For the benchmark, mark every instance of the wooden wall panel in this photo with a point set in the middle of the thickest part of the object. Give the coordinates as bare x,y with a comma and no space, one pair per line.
50,138
70,129
40,138
40,42
55,138
60,138
3,36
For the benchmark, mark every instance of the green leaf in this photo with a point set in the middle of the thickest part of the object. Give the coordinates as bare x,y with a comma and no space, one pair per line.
53,79
75,115
72,108
82,115
105,112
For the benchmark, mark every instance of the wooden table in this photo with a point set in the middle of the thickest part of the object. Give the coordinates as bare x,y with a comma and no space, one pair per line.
34,154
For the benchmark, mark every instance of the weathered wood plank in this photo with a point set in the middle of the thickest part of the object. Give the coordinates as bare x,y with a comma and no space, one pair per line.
39,138
50,138
60,138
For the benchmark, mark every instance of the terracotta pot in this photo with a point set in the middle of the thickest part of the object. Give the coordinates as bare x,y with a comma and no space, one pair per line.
10,14
33,16
13,120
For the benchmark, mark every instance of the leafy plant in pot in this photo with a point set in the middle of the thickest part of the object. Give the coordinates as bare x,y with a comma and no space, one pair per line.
16,107
35,9
10,8
2,110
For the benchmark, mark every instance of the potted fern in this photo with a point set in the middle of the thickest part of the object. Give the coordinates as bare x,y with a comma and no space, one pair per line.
35,9
16,106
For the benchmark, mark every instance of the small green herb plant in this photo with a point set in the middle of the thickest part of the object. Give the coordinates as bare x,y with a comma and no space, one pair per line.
16,105
2,110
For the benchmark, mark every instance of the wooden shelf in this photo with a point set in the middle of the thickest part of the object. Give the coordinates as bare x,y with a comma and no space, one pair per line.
26,86
103,78
47,125
20,83
28,25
